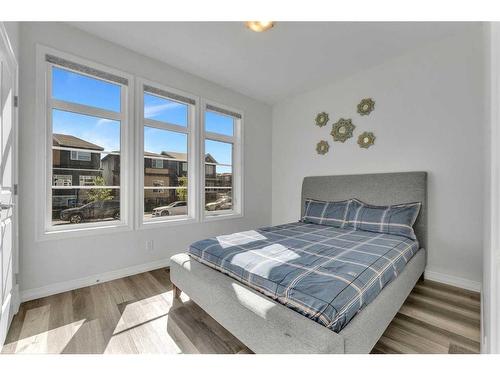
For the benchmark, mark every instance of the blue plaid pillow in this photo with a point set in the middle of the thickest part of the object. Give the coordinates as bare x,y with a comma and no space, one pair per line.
333,214
397,219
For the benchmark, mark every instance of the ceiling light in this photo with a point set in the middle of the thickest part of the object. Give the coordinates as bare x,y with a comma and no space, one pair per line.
259,26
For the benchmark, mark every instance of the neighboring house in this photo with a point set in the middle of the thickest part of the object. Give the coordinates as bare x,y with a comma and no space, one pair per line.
110,165
162,170
78,162
165,170
75,162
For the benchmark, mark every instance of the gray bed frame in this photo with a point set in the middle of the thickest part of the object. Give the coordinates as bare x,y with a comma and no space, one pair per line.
266,326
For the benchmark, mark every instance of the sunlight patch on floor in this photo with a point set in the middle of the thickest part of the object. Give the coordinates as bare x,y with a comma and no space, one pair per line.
56,339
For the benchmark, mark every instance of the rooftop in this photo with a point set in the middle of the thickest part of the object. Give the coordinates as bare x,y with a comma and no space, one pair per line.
64,140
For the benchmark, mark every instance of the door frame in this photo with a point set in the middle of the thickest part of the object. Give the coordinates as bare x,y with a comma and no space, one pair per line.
12,60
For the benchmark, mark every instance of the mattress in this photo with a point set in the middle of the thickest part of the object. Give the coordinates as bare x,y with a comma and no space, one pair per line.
325,273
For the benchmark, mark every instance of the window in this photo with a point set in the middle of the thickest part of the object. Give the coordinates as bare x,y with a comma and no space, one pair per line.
85,116
167,176
222,187
63,180
156,163
188,169
81,156
87,180
158,183
209,169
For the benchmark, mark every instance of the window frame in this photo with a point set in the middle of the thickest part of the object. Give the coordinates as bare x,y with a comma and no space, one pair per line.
237,162
191,130
45,104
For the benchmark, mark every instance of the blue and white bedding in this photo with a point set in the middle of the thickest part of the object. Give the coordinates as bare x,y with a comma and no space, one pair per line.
328,274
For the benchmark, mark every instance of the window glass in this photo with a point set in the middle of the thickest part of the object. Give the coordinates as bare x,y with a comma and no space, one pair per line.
164,204
165,173
85,133
77,206
85,168
81,89
164,110
218,176
220,152
219,123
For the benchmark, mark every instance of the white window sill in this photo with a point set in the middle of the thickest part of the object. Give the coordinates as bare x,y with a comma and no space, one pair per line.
73,231
222,216
156,223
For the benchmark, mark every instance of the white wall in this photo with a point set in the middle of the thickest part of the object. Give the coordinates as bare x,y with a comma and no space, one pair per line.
49,262
429,116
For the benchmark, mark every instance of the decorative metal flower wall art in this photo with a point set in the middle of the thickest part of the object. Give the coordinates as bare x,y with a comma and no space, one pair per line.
366,106
322,147
342,130
321,119
366,139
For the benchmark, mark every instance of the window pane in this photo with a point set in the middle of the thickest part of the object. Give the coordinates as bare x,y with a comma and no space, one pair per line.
84,133
218,199
77,206
218,123
218,152
165,173
86,154
218,175
218,187
81,89
161,109
163,203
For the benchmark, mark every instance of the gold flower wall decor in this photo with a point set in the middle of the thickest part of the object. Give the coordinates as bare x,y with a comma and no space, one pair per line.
366,106
366,140
322,147
342,130
321,119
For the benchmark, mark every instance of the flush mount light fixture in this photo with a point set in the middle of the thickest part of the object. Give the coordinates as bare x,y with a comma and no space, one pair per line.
259,26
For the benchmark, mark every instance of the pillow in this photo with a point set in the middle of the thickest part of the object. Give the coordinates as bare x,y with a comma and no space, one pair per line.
395,219
326,213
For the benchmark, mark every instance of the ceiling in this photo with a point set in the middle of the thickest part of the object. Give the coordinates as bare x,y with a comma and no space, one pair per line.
290,58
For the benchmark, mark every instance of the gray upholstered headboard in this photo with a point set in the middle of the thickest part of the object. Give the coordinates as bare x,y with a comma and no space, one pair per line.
377,189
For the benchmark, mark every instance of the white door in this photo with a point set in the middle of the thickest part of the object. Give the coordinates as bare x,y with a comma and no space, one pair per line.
8,187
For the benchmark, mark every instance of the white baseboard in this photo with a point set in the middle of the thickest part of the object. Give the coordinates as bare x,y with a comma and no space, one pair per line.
459,282
48,290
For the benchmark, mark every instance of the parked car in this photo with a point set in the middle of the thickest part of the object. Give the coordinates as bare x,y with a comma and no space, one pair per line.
92,211
224,203
174,208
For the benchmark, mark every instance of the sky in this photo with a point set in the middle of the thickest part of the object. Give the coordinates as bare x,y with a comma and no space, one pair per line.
77,88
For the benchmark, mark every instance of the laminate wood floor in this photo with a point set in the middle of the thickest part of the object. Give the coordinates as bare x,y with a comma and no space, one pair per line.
137,314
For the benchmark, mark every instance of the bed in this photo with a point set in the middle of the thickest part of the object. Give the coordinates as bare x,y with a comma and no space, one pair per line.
248,304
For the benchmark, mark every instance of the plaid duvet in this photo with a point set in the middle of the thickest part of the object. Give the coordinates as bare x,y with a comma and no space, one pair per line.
327,274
